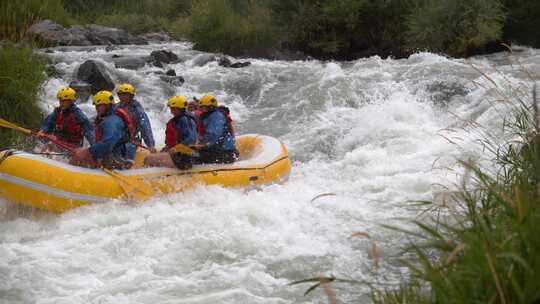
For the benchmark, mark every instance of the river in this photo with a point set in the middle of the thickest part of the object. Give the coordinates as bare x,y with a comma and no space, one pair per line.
372,134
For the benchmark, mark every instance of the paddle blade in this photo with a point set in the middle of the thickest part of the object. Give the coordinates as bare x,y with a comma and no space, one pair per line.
6,124
133,188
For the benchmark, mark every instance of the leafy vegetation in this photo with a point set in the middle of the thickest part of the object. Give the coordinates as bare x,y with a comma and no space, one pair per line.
454,27
17,16
21,77
215,25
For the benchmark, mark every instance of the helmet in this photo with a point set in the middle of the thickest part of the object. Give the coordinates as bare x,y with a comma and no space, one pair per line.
207,100
66,94
103,97
177,102
125,88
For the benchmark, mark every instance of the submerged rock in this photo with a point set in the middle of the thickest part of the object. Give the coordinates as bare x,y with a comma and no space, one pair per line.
130,63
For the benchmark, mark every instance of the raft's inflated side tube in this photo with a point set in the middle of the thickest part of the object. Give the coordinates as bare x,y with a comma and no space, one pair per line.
55,186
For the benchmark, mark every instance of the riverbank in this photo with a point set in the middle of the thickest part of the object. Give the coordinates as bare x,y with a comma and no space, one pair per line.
329,30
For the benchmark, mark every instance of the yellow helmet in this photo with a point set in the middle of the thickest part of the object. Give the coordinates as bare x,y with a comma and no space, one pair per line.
125,88
207,100
66,94
103,97
179,102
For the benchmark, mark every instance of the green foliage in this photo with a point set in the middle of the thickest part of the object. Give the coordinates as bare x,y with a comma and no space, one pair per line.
523,22
21,76
342,29
215,26
17,16
455,27
487,250
134,23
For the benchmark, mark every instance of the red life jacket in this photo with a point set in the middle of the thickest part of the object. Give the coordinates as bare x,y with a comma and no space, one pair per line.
172,137
228,120
126,118
67,128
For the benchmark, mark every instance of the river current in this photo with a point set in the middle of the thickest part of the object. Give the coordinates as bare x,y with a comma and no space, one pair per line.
371,134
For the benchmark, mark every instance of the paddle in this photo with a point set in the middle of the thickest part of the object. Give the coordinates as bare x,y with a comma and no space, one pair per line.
133,187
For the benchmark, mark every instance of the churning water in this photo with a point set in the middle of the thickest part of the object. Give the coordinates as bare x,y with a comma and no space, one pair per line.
373,133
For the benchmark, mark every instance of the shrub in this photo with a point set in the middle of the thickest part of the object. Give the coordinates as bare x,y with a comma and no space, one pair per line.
134,23
21,76
523,22
216,27
17,16
455,27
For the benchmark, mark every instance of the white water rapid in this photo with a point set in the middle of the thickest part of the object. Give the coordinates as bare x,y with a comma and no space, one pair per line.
372,132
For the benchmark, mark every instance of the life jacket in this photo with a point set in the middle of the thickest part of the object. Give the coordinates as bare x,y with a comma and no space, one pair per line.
172,137
136,123
126,118
67,128
228,122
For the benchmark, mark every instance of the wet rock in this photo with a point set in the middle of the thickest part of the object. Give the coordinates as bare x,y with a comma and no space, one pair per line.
164,56
204,59
96,75
130,63
83,89
170,72
174,80
239,64
52,71
53,34
156,37
224,62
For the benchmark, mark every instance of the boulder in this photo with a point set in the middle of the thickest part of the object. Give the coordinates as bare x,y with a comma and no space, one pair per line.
204,59
164,56
174,80
54,34
99,34
156,37
170,72
83,89
239,64
224,62
130,63
96,75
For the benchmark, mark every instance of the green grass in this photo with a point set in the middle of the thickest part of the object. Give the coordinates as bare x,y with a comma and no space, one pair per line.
21,76
17,16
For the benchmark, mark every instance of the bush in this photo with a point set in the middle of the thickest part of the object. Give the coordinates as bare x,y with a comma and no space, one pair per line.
342,29
454,27
523,22
134,23
17,16
21,76
215,26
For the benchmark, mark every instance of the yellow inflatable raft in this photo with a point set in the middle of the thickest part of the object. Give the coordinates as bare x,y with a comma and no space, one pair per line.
52,185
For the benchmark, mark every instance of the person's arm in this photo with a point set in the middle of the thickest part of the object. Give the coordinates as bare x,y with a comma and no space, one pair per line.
146,128
48,123
214,129
88,129
188,131
111,130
